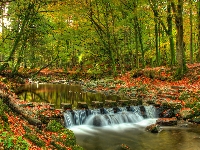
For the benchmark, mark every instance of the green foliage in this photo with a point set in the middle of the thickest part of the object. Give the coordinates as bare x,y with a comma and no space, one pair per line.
54,126
21,144
65,136
106,37
11,142
196,109
36,140
57,146
184,95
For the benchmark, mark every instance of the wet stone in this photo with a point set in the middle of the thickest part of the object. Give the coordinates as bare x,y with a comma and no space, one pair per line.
123,103
167,121
66,106
110,103
153,128
97,104
82,105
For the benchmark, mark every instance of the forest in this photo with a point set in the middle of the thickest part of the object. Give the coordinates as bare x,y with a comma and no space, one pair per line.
99,36
147,52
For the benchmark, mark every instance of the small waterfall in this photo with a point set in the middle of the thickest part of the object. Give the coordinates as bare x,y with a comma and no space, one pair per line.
151,112
68,118
109,116
76,117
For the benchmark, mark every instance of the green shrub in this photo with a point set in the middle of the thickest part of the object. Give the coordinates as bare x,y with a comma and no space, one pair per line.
57,146
70,138
11,142
54,126
33,138
184,95
21,144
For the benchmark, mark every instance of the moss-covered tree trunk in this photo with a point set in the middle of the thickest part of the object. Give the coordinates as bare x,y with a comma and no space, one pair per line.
170,34
198,18
180,45
191,33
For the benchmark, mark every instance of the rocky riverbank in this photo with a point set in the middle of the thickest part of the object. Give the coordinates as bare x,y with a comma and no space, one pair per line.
178,99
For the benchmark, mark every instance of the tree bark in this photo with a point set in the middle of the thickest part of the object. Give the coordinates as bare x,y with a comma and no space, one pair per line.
198,18
191,33
180,53
170,34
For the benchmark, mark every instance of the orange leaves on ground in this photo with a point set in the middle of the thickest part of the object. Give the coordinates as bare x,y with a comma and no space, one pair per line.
16,125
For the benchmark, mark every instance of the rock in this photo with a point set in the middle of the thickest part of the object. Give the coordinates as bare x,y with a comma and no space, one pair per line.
153,128
82,105
167,121
97,104
167,113
125,147
66,106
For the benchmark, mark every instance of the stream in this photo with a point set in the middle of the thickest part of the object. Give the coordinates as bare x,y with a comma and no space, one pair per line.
111,136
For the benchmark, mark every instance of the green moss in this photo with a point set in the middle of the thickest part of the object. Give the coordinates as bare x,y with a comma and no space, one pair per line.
33,138
57,146
54,126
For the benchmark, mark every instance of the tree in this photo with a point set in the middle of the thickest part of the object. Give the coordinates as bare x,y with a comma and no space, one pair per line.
198,18
168,29
180,45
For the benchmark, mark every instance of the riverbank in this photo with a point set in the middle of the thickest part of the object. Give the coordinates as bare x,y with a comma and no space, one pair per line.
21,129
154,86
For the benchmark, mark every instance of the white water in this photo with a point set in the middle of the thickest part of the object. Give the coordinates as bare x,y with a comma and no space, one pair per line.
94,117
134,135
91,130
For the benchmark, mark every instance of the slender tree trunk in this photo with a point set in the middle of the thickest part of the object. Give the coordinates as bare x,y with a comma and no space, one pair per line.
198,18
191,34
136,47
138,28
170,34
156,44
169,24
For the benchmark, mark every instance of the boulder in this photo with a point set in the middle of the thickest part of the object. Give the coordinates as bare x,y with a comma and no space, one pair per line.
167,121
153,128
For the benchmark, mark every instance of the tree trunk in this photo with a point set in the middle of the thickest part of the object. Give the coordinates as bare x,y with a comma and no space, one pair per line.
198,18
138,28
136,47
156,44
170,34
191,34
180,53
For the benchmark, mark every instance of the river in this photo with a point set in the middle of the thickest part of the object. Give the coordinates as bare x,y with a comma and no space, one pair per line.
110,137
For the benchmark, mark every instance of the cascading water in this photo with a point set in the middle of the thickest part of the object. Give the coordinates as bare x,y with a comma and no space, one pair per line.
151,111
108,116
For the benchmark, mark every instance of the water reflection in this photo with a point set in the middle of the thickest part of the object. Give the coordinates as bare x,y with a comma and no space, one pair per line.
60,93
111,137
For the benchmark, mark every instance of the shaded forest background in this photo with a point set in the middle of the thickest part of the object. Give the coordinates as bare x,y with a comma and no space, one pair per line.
99,37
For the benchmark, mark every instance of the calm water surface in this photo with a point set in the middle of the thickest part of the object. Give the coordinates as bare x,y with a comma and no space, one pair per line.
111,137
60,93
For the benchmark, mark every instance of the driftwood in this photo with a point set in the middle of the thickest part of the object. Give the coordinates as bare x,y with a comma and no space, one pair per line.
11,102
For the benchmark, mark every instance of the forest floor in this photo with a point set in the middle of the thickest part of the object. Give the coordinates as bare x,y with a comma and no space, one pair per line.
156,82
